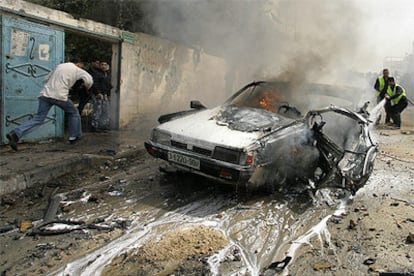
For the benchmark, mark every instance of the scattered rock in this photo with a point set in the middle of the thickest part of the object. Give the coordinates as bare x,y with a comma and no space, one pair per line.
103,178
68,208
352,224
360,209
280,265
322,266
369,261
336,219
124,223
410,238
93,198
339,243
7,200
220,215
25,224
372,268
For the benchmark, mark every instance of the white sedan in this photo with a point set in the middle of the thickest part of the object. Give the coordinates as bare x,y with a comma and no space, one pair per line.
257,137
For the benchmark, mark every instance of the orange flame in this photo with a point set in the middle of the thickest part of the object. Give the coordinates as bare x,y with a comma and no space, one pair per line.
269,101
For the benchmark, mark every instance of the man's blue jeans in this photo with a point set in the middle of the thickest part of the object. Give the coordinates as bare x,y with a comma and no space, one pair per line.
74,119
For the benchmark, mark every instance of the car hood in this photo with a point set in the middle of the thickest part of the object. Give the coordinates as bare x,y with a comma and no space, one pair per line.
250,119
229,126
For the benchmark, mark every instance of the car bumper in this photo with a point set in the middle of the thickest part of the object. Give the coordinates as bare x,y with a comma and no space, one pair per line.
221,171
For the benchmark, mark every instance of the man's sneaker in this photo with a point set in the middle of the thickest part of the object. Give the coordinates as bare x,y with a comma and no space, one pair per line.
13,140
74,140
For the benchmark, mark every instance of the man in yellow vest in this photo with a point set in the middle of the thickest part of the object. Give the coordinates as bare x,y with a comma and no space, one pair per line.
381,87
397,99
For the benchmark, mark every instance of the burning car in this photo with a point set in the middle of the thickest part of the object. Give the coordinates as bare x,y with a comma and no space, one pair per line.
259,137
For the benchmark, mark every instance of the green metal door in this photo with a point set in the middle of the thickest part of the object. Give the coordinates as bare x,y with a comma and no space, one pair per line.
29,51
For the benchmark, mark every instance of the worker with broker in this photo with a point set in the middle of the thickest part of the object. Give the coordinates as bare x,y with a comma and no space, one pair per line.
397,100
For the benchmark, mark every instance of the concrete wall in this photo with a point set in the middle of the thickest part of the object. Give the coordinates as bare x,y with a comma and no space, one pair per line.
159,76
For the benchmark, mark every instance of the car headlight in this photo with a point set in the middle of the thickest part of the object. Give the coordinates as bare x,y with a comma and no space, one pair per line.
228,155
161,137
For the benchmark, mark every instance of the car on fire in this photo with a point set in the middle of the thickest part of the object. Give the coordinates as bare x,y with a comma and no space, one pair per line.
259,137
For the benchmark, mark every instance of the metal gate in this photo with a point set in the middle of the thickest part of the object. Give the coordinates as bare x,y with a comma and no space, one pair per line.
29,51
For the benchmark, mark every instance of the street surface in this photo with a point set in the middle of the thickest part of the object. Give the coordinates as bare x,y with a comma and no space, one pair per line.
129,217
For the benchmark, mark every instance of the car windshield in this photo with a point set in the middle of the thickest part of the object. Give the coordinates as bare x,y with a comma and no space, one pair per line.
270,96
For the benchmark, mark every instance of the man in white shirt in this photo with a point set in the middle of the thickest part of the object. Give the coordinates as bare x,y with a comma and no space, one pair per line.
55,92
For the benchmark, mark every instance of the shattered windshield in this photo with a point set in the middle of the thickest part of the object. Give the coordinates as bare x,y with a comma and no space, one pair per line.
269,96
258,106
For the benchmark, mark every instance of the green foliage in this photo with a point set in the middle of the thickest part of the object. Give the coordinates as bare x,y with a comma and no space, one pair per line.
83,47
77,8
86,48
130,15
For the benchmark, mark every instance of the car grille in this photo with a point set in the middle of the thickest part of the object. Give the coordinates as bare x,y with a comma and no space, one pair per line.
178,145
202,151
220,153
195,149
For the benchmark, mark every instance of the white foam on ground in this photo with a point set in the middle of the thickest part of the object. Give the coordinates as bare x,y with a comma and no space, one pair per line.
320,230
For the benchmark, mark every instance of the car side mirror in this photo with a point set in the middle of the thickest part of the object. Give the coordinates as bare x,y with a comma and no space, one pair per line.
197,105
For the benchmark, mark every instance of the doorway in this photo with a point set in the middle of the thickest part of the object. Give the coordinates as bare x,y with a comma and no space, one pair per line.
97,57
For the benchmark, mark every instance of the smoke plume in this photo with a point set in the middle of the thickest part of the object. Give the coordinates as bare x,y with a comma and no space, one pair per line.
295,40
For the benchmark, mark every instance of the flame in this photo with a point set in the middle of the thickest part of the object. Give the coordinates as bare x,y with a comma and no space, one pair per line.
269,101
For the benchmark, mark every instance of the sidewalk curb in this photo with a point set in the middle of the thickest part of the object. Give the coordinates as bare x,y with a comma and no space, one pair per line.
41,175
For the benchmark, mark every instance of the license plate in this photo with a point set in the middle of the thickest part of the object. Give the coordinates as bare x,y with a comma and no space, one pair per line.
184,160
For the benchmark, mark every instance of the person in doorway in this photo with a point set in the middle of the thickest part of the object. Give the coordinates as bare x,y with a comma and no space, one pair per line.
100,98
381,86
107,85
55,92
397,99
